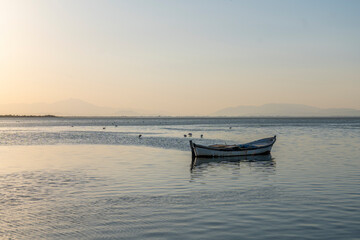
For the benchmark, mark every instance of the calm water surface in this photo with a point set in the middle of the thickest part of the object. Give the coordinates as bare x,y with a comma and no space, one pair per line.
68,178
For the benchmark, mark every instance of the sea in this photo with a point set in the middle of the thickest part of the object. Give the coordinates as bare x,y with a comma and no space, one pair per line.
94,178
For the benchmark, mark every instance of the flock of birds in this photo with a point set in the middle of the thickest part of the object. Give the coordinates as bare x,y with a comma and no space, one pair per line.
185,135
140,135
190,135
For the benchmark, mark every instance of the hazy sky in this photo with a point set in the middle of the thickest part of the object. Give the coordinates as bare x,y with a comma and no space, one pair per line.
183,57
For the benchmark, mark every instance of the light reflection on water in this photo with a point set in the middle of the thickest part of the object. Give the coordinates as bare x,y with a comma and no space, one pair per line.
94,185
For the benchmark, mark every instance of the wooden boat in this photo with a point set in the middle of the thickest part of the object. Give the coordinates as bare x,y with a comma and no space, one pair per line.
262,146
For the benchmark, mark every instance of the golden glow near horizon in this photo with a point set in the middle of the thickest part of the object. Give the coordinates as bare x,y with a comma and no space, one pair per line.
180,57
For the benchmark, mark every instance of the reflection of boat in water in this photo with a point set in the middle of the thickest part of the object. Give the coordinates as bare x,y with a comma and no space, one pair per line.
262,146
196,161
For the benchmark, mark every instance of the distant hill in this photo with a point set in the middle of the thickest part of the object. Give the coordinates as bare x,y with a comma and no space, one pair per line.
289,110
76,107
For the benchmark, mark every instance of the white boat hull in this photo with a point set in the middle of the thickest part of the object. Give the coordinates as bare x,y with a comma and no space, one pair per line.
199,152
262,146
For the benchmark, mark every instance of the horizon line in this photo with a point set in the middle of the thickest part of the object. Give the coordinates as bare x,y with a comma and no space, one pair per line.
167,116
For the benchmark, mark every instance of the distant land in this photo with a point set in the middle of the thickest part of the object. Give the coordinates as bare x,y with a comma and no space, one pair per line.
286,110
27,116
76,107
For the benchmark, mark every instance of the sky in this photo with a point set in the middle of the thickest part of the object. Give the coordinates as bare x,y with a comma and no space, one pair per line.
181,57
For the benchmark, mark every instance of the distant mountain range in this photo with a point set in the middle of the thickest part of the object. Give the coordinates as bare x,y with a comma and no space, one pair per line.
76,107
288,110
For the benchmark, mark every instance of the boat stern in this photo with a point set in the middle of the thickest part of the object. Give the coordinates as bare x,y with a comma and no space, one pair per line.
192,149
